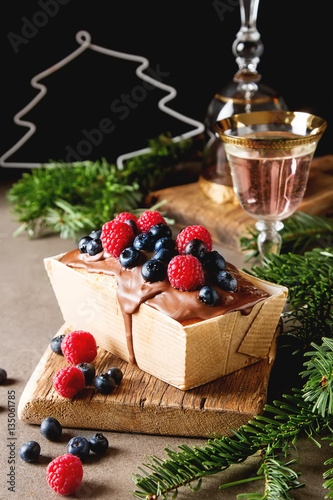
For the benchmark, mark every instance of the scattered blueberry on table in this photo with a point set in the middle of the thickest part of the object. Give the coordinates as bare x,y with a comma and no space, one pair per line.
79,447
51,429
3,376
30,451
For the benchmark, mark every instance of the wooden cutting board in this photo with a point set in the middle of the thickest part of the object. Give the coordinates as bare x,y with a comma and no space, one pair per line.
145,404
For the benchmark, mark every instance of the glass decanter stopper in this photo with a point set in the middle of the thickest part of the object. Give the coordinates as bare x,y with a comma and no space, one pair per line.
244,94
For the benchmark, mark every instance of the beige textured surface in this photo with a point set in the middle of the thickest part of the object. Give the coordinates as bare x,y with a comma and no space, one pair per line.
30,316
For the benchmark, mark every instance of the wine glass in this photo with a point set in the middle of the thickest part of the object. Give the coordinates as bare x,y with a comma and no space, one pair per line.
269,153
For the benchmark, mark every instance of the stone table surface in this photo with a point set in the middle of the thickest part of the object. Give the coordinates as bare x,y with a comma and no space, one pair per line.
29,319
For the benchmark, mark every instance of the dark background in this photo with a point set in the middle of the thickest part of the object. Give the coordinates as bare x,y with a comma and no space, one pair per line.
190,42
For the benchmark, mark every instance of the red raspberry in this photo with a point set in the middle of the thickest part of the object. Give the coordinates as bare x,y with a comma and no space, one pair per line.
149,219
191,233
185,273
125,216
116,235
69,381
79,347
64,474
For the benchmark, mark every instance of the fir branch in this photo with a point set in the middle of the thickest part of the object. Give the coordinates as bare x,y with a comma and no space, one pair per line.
328,476
71,198
158,163
279,480
268,435
319,370
67,220
309,278
319,392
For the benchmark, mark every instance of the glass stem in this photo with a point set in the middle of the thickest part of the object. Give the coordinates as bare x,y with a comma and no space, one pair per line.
269,239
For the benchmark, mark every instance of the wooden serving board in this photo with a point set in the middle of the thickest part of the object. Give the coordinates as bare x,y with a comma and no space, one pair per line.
144,404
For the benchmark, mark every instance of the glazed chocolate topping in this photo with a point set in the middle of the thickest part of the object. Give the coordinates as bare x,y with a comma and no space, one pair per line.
133,290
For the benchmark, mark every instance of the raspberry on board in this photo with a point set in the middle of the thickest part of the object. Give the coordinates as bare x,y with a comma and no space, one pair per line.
193,232
185,272
79,347
116,235
64,474
69,381
148,219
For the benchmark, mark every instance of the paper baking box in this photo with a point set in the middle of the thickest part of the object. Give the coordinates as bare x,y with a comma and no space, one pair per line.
184,356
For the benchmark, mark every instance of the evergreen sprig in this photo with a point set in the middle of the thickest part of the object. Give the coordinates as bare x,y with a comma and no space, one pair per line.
279,478
72,198
328,475
319,370
270,436
309,279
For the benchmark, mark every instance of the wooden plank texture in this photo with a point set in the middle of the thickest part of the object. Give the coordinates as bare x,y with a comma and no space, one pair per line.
145,404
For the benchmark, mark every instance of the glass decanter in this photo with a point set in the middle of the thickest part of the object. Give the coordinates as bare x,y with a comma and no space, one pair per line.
245,94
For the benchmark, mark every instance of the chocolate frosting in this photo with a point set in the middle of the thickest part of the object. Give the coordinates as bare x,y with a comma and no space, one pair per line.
133,290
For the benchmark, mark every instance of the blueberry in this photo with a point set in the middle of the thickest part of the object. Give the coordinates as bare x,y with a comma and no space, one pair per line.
153,270
3,376
93,247
79,446
116,374
104,383
164,255
30,451
144,241
208,295
226,281
197,248
56,344
96,235
88,371
82,245
98,443
51,429
159,231
213,262
133,225
164,242
129,257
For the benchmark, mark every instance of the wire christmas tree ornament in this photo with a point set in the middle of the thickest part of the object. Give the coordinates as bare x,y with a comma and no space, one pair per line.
84,40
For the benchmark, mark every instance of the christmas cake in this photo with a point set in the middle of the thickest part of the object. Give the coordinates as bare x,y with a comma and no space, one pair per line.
171,305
